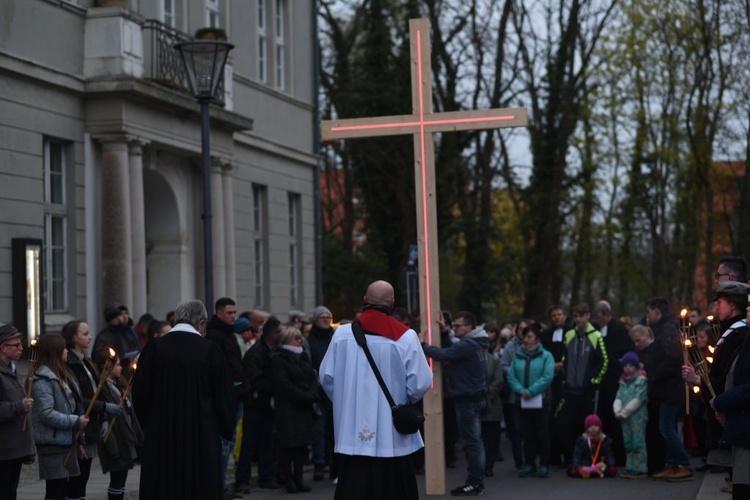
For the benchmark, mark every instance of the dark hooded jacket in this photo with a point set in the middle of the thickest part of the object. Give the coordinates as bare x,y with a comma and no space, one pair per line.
468,380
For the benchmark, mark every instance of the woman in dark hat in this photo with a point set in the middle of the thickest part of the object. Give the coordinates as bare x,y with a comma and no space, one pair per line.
17,445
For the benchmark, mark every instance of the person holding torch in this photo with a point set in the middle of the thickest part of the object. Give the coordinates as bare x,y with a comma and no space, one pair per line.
77,339
57,416
17,445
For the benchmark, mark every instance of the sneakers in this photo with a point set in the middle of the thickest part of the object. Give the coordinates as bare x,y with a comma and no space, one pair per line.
543,471
468,490
662,474
680,473
528,470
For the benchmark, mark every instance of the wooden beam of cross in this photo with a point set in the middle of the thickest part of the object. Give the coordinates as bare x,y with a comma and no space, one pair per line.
422,124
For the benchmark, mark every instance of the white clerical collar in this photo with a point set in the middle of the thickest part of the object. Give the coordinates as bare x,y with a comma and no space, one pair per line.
557,335
603,331
184,327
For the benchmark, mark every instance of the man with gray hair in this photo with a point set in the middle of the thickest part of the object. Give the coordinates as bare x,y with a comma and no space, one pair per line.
184,399
617,343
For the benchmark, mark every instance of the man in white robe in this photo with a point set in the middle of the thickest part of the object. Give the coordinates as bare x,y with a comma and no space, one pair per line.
376,459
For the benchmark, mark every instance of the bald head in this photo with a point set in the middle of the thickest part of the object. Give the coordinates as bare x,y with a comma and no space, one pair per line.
379,293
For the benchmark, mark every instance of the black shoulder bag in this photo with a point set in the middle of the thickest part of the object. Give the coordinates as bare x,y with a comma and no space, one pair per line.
407,419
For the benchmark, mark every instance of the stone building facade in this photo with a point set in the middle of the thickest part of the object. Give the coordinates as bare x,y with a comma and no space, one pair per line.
100,155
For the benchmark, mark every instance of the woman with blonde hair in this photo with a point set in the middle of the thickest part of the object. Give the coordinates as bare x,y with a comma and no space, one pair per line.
296,396
57,413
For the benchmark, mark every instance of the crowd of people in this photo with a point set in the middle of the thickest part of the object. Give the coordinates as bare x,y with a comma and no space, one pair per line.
594,395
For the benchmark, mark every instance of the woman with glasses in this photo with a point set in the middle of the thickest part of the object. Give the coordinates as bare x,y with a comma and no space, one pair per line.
57,415
296,396
17,444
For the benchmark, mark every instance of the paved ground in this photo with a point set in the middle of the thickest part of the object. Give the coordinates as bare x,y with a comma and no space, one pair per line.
504,485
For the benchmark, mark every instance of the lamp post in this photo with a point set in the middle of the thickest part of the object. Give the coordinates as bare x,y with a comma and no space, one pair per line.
204,62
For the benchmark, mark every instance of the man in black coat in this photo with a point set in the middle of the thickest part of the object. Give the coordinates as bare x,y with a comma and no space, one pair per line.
257,425
184,399
220,330
666,387
617,342
553,341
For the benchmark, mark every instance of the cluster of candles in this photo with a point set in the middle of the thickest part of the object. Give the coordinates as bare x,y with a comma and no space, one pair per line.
692,355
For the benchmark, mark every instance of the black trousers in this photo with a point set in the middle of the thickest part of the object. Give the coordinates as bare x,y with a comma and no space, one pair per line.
10,473
536,435
77,484
376,478
569,417
491,439
55,489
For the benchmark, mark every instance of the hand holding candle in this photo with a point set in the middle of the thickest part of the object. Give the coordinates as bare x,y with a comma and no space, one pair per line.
123,399
33,361
102,380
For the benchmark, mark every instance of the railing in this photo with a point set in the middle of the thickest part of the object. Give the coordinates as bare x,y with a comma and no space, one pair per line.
163,63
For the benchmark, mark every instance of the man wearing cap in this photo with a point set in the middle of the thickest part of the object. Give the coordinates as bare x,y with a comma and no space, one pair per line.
731,301
220,330
17,443
244,335
117,335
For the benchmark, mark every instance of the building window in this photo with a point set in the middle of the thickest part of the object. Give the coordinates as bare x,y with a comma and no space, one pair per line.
55,227
212,13
260,237
262,42
294,250
167,12
281,44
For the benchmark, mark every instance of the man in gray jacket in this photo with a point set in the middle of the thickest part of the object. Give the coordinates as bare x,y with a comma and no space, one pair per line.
17,444
468,385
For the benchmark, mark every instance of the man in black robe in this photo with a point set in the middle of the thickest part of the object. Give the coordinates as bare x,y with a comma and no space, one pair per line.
185,402
617,342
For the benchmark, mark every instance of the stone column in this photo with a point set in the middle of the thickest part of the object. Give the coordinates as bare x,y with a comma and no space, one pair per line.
117,256
218,229
139,305
228,196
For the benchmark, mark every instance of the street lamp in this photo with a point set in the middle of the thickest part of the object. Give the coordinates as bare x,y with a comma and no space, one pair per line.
204,62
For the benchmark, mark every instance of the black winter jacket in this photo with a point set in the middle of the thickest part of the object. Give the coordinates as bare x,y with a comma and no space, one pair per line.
223,335
257,367
295,391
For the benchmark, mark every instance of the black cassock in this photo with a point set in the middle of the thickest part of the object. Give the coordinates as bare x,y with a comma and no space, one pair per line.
183,396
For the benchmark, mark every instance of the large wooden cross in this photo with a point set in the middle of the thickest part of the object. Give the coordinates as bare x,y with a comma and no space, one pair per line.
422,124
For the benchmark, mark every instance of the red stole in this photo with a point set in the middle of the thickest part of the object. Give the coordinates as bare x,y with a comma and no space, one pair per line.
378,323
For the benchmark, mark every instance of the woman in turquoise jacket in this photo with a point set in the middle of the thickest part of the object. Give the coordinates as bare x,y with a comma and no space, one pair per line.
530,375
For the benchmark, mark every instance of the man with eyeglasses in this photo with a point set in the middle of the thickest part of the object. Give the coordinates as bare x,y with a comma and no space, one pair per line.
731,268
468,384
17,444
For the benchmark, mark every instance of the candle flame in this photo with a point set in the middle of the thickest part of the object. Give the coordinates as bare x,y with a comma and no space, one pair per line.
710,317
711,349
688,343
111,353
684,312
33,343
709,359
696,389
135,365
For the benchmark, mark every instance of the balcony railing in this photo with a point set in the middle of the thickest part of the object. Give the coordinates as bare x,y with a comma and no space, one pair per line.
163,63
